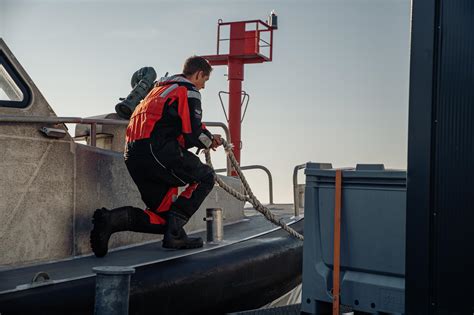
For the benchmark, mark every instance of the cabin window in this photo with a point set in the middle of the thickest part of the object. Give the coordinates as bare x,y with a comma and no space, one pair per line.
13,90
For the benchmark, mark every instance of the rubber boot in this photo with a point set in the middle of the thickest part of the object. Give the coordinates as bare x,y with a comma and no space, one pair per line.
175,237
106,222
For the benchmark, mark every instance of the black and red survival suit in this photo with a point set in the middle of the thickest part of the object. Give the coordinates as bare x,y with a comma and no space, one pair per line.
161,129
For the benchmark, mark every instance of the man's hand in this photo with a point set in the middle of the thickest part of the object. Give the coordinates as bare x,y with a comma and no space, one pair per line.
216,142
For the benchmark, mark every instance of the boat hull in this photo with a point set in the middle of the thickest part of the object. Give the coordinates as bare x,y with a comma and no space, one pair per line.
244,275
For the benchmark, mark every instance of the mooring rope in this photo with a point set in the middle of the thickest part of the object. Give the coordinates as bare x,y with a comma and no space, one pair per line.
248,196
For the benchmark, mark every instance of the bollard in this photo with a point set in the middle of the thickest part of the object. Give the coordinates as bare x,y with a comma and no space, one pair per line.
112,290
215,227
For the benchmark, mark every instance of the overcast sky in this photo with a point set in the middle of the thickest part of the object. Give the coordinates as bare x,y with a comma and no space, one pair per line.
336,91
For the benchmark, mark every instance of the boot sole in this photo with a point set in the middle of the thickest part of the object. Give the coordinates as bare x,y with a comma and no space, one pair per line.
99,221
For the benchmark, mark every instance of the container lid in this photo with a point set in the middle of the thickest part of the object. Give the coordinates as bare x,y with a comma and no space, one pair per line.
363,173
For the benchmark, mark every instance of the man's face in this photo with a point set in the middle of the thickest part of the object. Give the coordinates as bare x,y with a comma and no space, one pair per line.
199,80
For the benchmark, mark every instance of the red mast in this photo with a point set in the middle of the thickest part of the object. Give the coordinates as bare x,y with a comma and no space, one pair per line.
248,42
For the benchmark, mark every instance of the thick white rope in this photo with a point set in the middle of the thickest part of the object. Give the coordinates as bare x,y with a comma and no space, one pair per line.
248,196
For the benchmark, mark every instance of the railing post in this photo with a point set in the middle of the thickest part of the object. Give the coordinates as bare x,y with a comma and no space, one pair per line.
270,185
227,138
214,225
93,134
296,189
112,290
251,167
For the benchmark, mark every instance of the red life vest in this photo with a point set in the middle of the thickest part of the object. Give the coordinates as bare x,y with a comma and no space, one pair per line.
150,111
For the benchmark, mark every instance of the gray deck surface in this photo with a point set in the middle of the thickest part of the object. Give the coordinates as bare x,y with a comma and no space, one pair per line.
139,255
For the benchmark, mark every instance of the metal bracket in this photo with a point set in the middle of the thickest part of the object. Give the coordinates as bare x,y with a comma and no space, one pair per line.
39,279
56,133
245,99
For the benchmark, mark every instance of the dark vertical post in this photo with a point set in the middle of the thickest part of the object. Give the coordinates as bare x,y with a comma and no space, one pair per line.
419,216
93,134
112,290
440,257
214,225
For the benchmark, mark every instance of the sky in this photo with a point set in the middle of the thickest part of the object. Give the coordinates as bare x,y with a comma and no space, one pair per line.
336,90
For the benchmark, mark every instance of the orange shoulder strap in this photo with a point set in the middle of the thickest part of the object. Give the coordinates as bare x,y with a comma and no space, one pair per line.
337,244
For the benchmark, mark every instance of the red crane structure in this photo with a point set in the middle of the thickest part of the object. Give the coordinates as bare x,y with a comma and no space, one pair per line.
247,42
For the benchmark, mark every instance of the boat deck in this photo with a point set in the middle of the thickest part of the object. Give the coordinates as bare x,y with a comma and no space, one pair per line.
17,279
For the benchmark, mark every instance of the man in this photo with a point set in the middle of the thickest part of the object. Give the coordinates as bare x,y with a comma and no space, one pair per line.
162,127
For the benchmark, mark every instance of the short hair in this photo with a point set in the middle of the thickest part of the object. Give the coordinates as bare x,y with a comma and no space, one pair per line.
196,63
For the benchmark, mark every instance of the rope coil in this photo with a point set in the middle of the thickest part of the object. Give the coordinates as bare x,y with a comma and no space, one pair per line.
248,196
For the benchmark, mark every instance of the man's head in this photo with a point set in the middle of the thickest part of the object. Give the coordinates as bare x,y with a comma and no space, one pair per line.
197,70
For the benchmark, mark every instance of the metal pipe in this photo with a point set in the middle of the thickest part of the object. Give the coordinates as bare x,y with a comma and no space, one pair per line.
271,46
61,120
227,138
249,167
295,188
91,121
248,21
214,225
78,120
221,125
93,134
112,290
218,35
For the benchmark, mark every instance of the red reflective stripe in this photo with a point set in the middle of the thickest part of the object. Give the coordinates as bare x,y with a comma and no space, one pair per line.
203,127
187,193
167,200
154,218
181,140
163,207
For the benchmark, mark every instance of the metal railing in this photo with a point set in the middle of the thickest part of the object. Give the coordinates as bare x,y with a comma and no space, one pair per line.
296,188
93,122
250,167
227,138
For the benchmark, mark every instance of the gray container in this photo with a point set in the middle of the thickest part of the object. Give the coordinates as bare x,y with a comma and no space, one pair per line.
372,238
